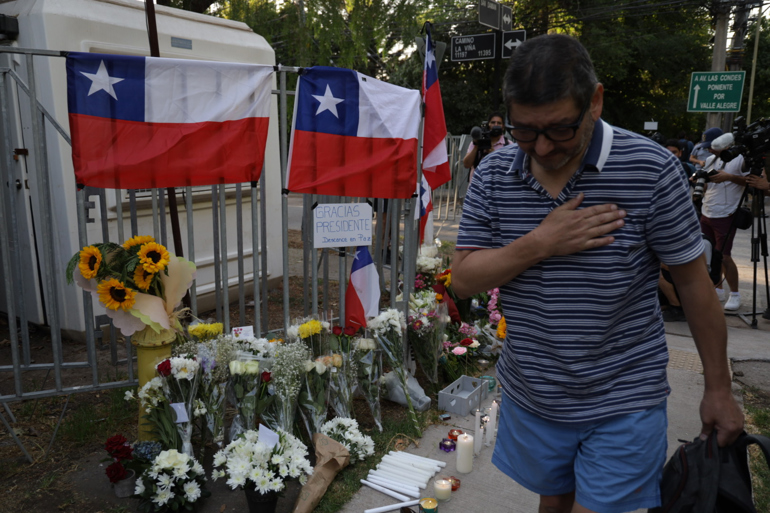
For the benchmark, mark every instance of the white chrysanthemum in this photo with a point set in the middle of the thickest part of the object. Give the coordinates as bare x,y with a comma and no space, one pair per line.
129,395
139,489
192,491
262,484
162,497
198,469
165,481
217,474
220,458
236,480
292,332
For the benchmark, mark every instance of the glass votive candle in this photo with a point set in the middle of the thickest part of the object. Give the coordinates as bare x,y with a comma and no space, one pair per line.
455,483
447,445
483,364
442,488
454,433
491,382
428,505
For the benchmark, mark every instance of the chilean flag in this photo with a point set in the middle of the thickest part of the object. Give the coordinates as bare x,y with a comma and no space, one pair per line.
353,135
426,206
148,122
435,164
362,298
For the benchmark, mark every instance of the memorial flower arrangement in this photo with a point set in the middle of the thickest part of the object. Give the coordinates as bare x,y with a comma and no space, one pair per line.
249,462
287,374
388,328
243,389
369,365
425,330
314,394
203,332
346,432
140,284
342,382
174,482
179,376
157,412
312,332
458,357
342,338
120,453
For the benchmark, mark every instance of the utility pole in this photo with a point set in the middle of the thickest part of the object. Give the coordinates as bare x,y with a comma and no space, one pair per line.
737,51
721,9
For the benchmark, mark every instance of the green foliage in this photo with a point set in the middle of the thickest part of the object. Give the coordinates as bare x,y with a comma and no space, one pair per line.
90,423
761,99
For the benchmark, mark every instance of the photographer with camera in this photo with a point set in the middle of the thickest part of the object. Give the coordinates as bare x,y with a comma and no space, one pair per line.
724,183
488,138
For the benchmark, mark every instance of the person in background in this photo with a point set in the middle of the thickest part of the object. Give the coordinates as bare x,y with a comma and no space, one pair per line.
701,150
686,145
675,147
572,225
496,127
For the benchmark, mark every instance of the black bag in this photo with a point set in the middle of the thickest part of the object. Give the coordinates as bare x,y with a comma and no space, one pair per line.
701,477
743,218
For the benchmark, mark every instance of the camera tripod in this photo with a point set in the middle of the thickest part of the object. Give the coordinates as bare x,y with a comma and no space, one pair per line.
758,247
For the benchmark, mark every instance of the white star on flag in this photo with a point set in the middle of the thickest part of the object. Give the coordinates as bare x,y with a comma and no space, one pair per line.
430,59
102,81
328,102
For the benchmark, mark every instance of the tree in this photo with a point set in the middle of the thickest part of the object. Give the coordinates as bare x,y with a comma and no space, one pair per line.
760,105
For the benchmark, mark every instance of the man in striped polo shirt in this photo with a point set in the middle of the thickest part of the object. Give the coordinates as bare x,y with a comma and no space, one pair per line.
572,225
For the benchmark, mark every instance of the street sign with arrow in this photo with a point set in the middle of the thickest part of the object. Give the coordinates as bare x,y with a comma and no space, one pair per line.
506,18
512,40
716,91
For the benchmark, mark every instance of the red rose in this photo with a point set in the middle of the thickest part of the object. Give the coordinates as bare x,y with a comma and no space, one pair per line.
116,472
466,342
164,368
114,442
337,330
350,330
266,377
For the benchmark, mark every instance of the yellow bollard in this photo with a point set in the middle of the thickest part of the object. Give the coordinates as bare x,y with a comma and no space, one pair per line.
147,358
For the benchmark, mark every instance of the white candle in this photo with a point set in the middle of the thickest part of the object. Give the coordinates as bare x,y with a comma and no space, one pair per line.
464,453
492,423
395,479
385,490
411,491
393,507
430,467
414,481
442,489
478,424
477,441
403,469
419,458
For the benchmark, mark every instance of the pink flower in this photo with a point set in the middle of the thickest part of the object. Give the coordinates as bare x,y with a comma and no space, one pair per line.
495,317
447,344
459,351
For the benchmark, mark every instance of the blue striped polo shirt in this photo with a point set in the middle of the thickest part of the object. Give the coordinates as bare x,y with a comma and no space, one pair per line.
585,336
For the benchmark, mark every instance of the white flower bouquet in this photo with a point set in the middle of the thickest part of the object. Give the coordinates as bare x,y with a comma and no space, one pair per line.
388,329
243,390
180,386
342,382
174,482
369,374
314,395
346,432
214,356
287,374
248,462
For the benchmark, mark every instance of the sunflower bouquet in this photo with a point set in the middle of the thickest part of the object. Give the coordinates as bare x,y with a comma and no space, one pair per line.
140,284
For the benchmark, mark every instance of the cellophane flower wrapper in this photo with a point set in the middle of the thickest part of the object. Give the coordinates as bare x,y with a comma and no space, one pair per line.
314,395
388,328
155,409
215,357
313,332
243,389
369,374
423,332
346,431
174,482
342,383
181,386
287,375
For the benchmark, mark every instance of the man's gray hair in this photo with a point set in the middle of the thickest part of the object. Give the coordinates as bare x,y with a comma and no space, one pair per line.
549,68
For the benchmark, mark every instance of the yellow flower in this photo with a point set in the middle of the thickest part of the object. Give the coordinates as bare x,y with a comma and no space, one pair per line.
115,295
439,297
154,257
90,260
205,331
138,241
142,278
310,328
276,341
337,360
501,328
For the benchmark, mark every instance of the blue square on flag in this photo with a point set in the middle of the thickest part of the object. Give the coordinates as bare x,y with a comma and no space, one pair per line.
328,100
107,88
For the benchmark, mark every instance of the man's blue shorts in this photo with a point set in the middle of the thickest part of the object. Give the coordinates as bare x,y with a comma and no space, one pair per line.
613,465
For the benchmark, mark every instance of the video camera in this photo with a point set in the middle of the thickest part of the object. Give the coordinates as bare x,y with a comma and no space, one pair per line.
752,141
482,136
701,177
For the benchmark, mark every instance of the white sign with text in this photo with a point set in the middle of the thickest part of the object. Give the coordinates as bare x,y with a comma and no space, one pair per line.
342,224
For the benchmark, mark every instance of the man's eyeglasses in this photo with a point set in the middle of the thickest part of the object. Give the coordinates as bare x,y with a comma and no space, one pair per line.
561,133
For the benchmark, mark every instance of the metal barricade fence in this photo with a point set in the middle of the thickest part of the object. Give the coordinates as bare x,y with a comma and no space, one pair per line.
36,208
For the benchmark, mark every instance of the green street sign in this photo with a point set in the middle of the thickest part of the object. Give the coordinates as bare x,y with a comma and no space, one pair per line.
716,91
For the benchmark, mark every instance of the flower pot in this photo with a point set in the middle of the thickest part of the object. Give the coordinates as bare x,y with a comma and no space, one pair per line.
261,502
125,487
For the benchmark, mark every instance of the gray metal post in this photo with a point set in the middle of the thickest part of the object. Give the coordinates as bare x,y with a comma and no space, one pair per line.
224,260
191,246
255,251
88,309
282,113
239,238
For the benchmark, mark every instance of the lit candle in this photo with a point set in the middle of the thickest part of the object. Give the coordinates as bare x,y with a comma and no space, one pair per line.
454,433
442,489
429,505
477,442
492,423
447,445
464,453
455,483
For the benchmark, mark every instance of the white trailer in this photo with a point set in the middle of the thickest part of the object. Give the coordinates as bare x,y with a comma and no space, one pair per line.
116,27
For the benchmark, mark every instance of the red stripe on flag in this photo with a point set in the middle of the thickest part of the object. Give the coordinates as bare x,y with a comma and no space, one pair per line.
354,310
116,154
352,166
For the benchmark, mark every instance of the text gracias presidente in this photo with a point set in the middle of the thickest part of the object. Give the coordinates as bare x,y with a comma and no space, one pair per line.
716,88
337,219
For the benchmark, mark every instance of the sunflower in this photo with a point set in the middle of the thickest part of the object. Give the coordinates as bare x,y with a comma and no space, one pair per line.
90,260
137,241
154,257
113,294
142,278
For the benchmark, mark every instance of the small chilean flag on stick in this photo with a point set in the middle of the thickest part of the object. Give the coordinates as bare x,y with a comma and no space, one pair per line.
148,122
435,164
362,299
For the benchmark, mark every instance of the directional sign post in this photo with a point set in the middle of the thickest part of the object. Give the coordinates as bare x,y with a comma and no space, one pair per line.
473,48
512,40
489,14
716,91
506,18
